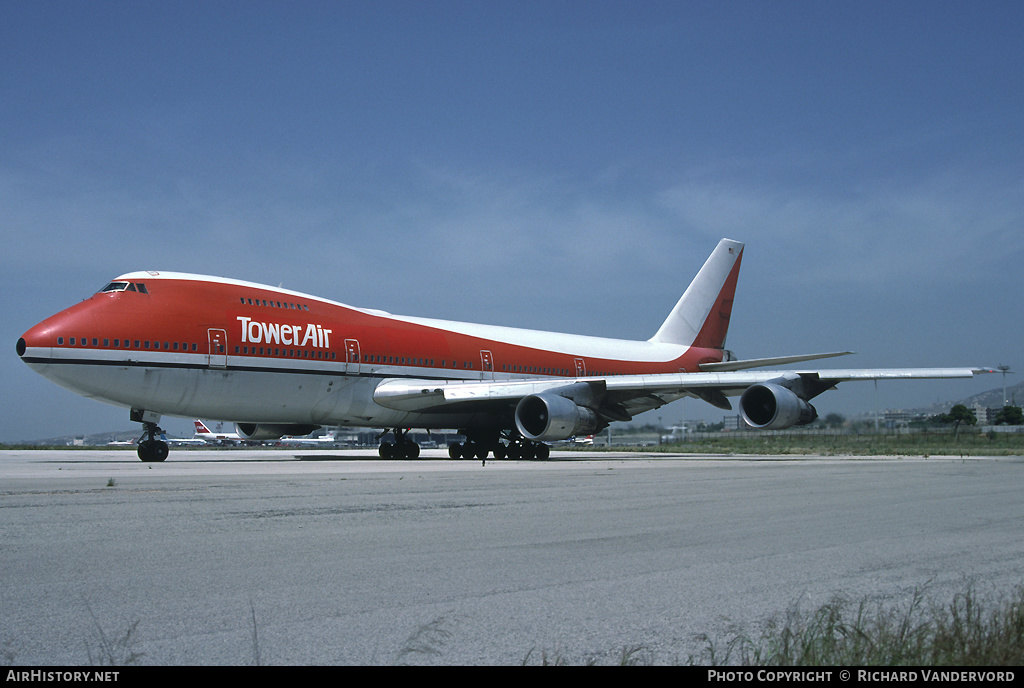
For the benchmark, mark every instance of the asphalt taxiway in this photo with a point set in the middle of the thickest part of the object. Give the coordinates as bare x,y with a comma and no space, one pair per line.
337,557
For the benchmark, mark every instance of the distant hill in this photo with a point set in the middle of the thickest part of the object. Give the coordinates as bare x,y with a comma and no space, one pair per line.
92,440
993,398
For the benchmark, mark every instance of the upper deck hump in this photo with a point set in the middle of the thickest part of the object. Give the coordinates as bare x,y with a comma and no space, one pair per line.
228,281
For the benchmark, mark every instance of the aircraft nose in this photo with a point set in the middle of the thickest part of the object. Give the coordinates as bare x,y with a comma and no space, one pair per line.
37,341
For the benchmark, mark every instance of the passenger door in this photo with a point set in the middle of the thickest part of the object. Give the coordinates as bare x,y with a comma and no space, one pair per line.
218,351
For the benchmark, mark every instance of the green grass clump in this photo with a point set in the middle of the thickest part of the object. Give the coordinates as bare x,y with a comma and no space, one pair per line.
966,632
798,442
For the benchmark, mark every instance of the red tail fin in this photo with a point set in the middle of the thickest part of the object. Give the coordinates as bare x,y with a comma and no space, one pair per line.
701,316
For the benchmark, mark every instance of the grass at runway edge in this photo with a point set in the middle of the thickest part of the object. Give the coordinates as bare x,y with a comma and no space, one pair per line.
968,631
965,632
916,444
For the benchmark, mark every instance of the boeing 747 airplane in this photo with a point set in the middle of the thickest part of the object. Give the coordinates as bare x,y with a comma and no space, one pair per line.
277,362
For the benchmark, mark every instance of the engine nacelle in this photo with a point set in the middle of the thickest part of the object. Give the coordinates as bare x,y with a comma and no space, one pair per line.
271,431
549,417
767,406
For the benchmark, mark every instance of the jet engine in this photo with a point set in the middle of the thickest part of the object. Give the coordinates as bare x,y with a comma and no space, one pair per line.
271,431
549,417
767,406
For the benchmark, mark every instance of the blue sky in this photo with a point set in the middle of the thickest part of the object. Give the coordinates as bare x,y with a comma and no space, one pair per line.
552,165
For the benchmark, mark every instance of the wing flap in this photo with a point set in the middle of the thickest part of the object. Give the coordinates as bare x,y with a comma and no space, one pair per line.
433,395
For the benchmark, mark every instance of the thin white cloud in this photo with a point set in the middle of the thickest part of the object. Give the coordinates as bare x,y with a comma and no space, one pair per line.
942,228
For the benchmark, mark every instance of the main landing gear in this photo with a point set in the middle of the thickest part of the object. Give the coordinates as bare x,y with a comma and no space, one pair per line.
478,447
150,448
401,448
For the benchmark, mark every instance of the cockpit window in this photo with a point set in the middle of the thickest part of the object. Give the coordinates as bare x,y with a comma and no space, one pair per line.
124,286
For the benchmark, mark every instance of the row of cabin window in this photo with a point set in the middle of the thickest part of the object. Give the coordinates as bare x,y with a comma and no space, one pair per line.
406,360
291,353
536,370
400,360
392,360
139,344
367,358
273,304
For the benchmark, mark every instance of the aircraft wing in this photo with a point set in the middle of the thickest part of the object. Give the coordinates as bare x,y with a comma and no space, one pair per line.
620,397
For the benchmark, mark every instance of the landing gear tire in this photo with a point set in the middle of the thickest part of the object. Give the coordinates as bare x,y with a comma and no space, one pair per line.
528,451
152,451
468,450
402,448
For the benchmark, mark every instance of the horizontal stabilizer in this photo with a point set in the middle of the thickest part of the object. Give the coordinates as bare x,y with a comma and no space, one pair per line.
762,362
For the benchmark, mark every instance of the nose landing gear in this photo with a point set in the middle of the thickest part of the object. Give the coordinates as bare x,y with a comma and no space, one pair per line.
150,449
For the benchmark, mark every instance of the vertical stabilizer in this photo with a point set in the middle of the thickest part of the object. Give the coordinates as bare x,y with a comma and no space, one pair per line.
701,316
